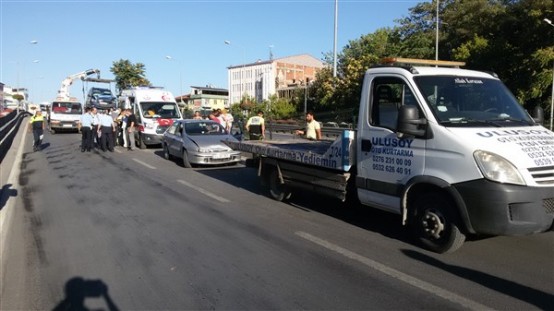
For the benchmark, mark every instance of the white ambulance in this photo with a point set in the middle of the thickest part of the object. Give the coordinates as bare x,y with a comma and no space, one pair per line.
155,109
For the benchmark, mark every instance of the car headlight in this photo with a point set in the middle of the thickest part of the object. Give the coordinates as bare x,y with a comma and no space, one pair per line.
204,150
496,168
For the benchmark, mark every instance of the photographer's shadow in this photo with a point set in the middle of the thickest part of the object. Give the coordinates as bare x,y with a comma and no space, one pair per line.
77,290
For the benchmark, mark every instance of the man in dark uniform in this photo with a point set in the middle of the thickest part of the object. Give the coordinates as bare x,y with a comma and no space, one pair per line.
37,127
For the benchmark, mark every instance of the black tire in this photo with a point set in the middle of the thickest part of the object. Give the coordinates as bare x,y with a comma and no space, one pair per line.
185,159
278,191
167,156
140,142
436,224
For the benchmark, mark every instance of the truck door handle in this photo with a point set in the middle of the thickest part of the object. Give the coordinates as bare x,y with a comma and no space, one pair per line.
366,145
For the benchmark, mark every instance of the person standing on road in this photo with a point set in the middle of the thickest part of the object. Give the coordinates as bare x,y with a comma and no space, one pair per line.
256,126
95,123
106,128
85,126
197,116
228,120
37,127
123,128
313,128
130,131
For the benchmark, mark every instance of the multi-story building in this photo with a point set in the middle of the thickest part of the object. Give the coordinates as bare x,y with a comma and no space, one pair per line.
262,79
12,103
205,98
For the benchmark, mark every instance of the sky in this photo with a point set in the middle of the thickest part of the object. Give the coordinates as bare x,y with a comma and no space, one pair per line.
44,41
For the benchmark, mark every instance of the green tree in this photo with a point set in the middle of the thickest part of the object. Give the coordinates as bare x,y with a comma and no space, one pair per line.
128,74
280,108
18,97
508,37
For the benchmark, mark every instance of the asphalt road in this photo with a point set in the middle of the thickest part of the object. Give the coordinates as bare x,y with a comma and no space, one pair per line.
129,230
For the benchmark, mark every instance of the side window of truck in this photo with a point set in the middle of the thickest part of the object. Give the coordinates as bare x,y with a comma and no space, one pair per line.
388,94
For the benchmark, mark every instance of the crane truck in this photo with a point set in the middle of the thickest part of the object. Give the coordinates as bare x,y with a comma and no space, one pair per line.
449,150
65,110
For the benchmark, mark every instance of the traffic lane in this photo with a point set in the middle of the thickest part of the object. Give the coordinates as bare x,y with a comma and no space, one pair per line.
376,240
170,249
491,263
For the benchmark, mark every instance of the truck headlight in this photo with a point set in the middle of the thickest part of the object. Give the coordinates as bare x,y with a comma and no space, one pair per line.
496,168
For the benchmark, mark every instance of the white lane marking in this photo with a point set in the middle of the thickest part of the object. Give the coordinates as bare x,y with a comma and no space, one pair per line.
145,164
203,191
450,296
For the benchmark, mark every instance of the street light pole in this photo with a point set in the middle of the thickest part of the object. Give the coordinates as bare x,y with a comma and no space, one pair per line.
168,57
335,40
549,22
437,34
227,42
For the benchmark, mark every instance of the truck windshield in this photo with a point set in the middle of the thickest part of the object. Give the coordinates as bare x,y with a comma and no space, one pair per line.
67,108
469,101
159,110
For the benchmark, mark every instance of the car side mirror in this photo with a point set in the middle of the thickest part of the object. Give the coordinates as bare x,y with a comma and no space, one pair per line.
409,122
538,115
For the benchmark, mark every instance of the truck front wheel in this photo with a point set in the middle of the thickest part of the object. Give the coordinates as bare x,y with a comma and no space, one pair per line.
435,223
278,191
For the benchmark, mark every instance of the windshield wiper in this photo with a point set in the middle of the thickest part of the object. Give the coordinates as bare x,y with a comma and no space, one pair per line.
510,119
463,120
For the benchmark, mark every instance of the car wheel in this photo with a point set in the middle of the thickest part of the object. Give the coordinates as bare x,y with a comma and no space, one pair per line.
140,142
167,156
435,223
185,159
278,191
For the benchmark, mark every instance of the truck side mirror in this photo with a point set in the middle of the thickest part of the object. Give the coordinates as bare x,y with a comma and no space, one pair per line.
538,115
409,121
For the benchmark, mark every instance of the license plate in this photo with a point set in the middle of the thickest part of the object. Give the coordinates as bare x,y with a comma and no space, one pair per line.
67,125
221,156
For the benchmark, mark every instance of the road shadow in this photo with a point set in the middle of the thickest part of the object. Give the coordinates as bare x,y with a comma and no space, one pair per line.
5,194
364,217
538,298
78,290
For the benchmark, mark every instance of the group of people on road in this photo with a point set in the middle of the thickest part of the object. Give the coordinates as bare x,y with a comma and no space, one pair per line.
256,127
221,116
105,130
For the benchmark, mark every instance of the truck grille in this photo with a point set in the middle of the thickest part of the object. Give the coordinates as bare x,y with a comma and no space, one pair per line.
543,175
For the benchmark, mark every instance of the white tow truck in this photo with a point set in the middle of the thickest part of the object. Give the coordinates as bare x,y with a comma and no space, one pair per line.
450,150
65,111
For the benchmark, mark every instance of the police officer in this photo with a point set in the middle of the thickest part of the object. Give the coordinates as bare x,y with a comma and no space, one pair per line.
85,126
256,126
106,128
37,127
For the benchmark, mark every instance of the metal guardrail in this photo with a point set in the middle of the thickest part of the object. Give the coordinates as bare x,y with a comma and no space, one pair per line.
9,125
326,132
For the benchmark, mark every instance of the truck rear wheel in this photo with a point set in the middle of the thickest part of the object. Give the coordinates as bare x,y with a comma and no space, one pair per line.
278,191
436,224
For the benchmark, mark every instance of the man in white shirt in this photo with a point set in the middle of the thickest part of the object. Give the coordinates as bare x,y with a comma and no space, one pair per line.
313,129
